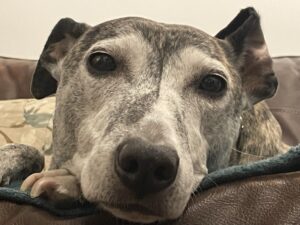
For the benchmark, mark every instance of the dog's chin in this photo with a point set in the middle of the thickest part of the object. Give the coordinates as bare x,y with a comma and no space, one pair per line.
133,214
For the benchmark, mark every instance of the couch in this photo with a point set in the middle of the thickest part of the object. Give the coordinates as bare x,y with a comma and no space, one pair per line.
15,77
270,199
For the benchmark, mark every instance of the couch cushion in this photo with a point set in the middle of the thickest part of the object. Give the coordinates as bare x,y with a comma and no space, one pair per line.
285,104
28,122
15,77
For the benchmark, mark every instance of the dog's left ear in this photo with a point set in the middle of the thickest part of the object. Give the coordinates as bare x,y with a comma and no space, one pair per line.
252,58
62,38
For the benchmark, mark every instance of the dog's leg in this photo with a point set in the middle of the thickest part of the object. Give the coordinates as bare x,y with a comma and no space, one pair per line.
260,136
18,161
56,185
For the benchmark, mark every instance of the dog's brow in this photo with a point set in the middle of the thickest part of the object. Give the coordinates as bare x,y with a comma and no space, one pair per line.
197,60
126,42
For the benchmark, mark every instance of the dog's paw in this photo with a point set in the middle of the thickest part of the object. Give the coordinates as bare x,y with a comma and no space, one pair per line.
56,185
18,161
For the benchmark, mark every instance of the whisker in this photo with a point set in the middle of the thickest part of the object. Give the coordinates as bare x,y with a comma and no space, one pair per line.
246,153
212,181
192,199
200,188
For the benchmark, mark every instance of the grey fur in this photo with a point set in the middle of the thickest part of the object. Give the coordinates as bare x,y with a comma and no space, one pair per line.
153,95
19,161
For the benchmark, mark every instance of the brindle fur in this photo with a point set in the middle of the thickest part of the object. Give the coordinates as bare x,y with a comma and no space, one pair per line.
153,95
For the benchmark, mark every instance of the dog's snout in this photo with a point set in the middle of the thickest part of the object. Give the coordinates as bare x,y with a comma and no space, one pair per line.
145,168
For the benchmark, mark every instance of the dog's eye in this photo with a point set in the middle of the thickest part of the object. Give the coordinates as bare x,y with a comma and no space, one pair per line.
101,62
213,83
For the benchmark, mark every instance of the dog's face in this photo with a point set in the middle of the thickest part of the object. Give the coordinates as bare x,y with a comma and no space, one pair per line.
145,110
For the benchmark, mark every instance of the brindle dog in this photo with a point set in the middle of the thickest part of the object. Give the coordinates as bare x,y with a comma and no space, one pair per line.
145,110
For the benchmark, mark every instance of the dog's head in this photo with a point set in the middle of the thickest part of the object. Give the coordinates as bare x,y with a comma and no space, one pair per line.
144,109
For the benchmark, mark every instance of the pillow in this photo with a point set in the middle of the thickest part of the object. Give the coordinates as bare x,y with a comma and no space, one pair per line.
28,122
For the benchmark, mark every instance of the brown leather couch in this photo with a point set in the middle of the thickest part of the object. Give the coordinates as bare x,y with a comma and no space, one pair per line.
264,200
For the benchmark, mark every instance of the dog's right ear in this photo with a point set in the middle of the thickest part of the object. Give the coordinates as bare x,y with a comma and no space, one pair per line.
63,36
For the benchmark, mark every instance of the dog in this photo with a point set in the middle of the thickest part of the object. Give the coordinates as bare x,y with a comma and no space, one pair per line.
145,110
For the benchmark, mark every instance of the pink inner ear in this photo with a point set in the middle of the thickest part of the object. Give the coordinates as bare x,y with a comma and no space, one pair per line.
257,62
257,73
59,49
261,53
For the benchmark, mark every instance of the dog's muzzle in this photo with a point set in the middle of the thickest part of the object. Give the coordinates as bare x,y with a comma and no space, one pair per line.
145,168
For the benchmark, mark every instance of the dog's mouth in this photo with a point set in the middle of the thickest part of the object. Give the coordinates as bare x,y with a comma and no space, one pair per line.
132,212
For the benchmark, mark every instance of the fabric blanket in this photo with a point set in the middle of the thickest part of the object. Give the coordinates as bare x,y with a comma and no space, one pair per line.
288,162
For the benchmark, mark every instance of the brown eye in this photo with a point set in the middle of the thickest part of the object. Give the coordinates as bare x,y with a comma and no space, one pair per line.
213,83
101,62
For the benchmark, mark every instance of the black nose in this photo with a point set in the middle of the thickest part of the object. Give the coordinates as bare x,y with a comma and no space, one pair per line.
145,168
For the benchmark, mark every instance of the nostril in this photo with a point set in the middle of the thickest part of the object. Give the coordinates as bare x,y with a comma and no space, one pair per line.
129,165
163,173
127,160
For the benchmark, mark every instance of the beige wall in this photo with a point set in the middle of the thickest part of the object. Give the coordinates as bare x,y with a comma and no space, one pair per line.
25,25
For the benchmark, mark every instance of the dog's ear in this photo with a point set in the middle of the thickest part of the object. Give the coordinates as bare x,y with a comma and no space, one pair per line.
63,36
252,58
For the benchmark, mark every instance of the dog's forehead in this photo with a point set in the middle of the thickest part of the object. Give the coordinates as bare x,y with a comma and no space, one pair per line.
164,37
